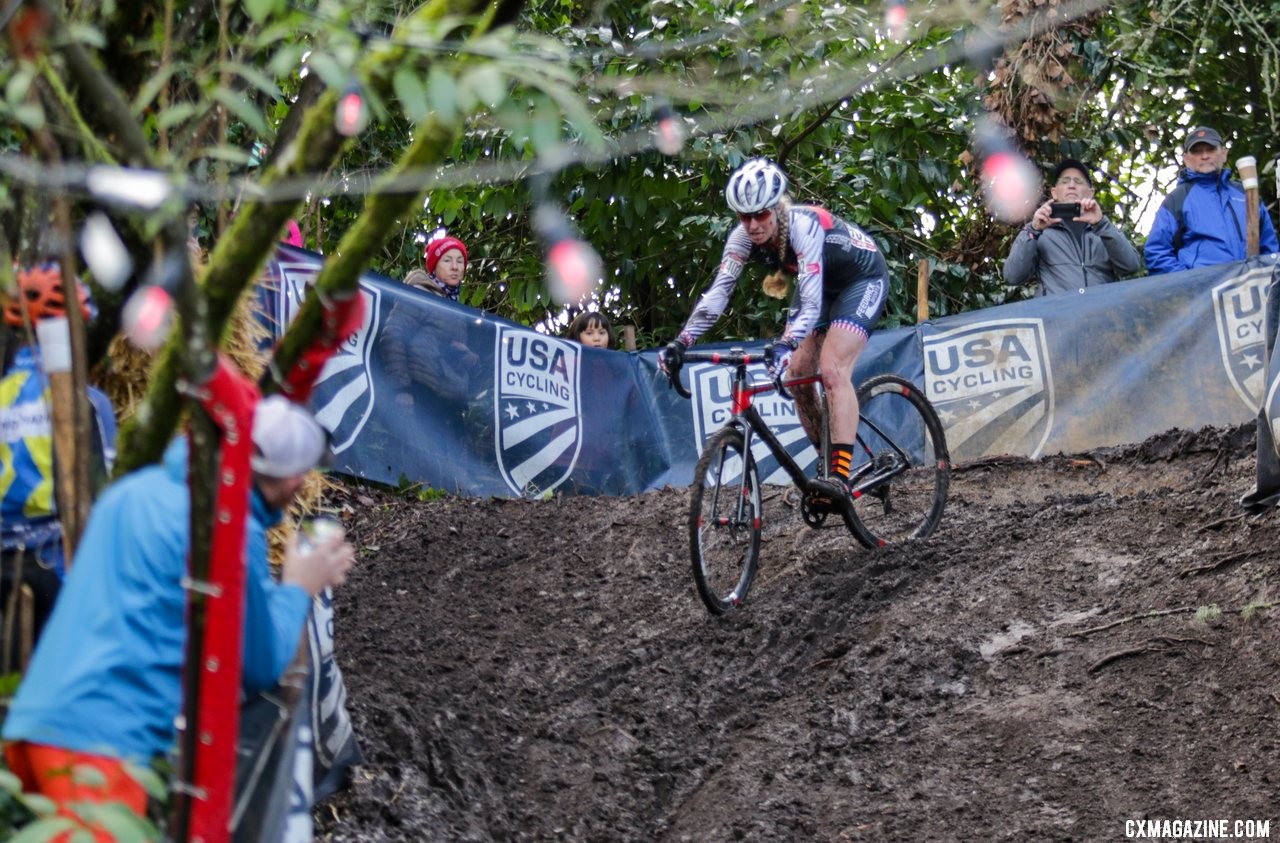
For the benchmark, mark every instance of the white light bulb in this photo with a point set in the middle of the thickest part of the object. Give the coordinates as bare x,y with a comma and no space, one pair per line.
103,251
142,188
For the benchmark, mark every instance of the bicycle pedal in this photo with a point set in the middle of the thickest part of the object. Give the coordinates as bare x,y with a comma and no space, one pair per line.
884,461
826,495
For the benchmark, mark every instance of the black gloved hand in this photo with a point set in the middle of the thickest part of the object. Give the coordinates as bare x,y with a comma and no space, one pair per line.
777,356
671,358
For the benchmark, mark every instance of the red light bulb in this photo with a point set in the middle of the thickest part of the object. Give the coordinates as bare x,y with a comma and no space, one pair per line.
573,267
351,116
148,316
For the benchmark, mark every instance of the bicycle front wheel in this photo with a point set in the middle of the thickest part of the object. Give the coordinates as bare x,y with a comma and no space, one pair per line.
724,522
901,467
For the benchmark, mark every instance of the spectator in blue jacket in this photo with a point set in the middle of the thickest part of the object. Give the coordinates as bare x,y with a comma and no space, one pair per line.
104,685
1202,222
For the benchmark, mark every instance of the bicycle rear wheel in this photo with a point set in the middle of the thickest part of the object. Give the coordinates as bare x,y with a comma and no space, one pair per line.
901,467
724,522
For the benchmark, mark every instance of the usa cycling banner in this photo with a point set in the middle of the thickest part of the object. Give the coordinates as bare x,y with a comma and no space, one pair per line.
1110,365
438,394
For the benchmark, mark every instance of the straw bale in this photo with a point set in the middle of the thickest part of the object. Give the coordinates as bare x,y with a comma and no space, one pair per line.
126,373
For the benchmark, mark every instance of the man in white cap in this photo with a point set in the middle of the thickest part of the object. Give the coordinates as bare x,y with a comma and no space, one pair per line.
104,686
1202,222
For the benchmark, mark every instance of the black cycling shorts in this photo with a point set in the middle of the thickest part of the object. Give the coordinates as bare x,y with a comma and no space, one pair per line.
858,306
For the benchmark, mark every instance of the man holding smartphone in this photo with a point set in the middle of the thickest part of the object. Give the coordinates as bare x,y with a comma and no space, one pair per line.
1068,244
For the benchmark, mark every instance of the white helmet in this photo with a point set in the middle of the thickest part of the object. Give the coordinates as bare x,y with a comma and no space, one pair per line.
756,185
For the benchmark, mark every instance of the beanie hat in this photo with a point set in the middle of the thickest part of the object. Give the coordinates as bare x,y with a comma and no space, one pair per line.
436,249
287,439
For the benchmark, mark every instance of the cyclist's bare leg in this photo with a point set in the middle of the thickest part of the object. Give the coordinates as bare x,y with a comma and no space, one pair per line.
804,361
839,355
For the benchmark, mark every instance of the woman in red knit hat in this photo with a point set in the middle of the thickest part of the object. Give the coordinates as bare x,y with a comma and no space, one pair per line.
425,346
446,259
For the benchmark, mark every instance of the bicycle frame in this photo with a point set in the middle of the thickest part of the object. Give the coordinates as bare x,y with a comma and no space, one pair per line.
866,476
747,418
745,412
726,505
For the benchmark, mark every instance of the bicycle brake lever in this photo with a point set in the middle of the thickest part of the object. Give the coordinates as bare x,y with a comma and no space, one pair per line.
673,381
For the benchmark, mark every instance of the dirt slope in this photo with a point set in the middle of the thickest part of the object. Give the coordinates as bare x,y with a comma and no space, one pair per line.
544,670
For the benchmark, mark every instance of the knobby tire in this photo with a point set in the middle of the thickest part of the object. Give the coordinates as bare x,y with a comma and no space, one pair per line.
724,522
910,504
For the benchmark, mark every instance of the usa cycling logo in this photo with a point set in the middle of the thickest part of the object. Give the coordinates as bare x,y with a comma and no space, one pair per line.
712,388
343,397
537,425
991,385
1240,307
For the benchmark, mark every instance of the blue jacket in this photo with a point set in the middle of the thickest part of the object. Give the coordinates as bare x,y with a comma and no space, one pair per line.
106,675
1213,226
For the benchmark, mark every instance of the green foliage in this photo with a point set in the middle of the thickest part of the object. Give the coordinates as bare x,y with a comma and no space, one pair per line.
1208,614
9,683
876,130
1252,609
418,491
33,817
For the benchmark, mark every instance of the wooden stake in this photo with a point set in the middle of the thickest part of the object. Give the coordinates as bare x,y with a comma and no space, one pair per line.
54,338
629,337
1247,167
922,290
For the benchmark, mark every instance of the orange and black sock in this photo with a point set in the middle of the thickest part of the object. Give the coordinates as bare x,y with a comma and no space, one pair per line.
841,460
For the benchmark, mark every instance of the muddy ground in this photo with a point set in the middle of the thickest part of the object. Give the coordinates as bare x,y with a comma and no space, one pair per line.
1080,644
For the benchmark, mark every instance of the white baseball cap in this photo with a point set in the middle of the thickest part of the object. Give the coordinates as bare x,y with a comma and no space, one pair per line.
287,439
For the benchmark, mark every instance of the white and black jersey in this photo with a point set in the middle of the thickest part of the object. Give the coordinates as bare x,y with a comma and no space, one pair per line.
827,255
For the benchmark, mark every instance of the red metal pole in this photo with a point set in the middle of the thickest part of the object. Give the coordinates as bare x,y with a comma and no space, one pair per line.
229,401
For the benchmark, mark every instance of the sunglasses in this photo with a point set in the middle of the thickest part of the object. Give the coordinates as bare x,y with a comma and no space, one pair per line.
758,216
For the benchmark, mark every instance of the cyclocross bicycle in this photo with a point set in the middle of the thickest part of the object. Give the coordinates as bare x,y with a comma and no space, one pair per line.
898,483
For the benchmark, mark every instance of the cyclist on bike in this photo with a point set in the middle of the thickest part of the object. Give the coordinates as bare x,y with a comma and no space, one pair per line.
841,285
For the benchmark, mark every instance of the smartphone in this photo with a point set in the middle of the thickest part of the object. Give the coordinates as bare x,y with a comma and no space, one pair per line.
1064,210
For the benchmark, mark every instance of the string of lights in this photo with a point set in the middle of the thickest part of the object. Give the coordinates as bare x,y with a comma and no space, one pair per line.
120,186
660,50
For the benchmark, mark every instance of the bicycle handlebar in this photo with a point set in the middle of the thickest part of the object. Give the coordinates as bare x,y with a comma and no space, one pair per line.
730,357
674,377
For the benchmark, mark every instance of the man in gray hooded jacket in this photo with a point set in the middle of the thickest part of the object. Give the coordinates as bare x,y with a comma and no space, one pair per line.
1069,253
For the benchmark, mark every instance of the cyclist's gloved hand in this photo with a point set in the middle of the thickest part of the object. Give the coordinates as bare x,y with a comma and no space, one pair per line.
671,358
777,356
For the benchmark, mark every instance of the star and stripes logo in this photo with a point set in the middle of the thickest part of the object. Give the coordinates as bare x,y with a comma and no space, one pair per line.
538,426
712,389
344,394
992,387
1240,307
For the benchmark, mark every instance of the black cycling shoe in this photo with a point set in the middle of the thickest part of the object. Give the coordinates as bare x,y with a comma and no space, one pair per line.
827,494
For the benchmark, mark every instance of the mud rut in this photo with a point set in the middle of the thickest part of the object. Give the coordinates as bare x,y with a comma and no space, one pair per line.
544,670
